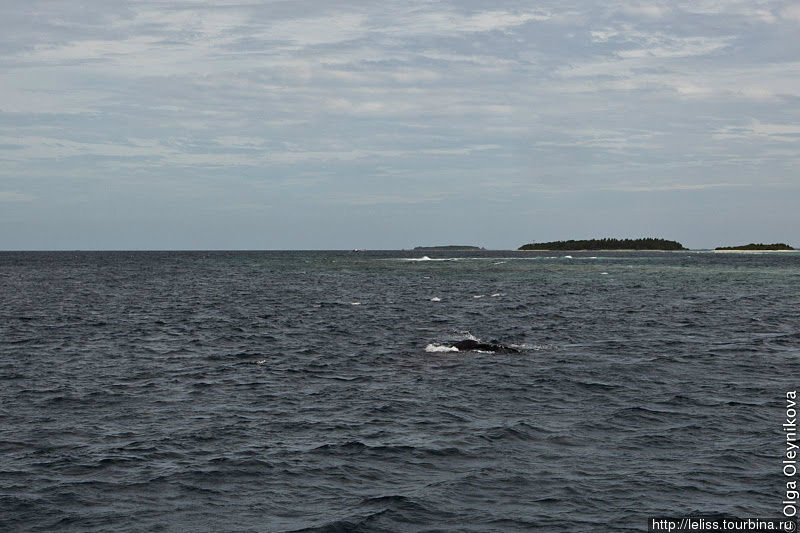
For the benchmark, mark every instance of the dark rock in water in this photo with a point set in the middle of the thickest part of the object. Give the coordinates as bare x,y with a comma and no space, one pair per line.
469,344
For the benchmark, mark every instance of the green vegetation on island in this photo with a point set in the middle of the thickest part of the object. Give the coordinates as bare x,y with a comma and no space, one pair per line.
448,248
606,244
757,247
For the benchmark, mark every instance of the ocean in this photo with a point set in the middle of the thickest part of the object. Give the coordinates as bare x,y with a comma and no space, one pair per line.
317,391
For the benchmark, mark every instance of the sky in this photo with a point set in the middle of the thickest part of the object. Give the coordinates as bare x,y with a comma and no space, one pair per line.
319,124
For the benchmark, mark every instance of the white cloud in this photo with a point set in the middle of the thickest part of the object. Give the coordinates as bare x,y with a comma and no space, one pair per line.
649,11
633,43
33,147
755,129
313,31
13,196
671,48
448,22
751,10
791,12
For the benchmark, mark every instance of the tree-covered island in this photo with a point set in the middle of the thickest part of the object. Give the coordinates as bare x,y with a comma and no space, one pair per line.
760,247
606,244
447,248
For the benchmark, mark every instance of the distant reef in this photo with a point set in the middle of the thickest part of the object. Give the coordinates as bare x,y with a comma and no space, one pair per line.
448,248
752,247
606,244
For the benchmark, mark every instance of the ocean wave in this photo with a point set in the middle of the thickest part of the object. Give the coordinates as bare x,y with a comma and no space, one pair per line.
434,348
426,258
356,447
520,431
338,526
465,335
257,399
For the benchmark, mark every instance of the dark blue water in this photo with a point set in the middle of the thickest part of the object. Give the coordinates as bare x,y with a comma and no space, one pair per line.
303,391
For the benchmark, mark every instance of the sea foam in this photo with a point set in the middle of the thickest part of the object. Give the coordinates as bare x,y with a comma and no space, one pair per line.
440,348
426,258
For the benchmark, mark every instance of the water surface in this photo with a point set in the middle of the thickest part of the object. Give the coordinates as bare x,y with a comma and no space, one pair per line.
303,391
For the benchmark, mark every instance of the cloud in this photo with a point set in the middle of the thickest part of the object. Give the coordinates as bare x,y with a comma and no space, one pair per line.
13,196
359,100
632,43
649,11
786,133
453,22
791,12
752,10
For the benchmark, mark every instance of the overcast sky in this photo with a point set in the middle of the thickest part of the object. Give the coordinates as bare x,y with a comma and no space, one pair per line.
342,124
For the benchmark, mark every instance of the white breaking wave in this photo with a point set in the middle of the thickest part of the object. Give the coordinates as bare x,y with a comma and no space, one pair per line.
534,347
355,303
466,335
495,295
436,299
567,257
426,258
440,348
479,296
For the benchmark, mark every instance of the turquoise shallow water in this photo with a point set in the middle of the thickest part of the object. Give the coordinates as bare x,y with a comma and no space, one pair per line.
305,391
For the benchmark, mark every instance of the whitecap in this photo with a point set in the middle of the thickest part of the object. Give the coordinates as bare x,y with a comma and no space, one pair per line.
499,263
495,295
466,335
540,347
567,257
261,362
436,299
355,303
534,347
426,258
479,296
431,348
604,273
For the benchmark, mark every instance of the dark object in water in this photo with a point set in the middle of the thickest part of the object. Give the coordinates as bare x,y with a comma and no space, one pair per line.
469,344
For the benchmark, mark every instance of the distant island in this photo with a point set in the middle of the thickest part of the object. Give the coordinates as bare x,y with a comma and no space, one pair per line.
448,248
606,244
752,247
